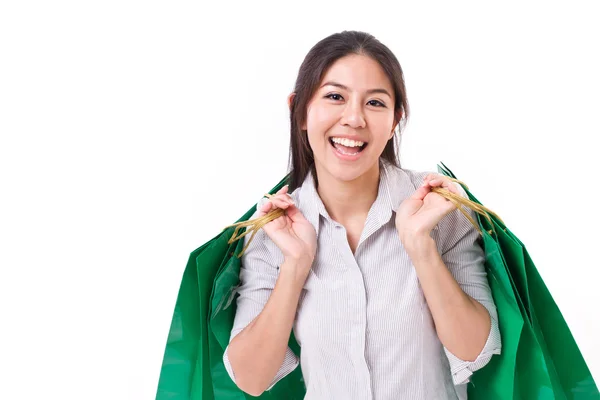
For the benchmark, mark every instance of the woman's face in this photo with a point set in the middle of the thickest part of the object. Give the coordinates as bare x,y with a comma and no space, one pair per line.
350,118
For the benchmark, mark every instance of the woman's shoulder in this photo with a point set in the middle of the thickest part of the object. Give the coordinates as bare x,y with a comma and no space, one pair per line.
414,176
417,176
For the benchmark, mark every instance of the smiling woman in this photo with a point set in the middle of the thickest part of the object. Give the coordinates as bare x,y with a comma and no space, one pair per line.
387,298
356,92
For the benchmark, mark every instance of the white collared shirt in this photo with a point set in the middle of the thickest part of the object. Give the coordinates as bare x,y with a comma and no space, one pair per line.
362,321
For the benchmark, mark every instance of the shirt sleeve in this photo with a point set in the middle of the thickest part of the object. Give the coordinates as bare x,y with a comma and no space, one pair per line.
258,275
465,258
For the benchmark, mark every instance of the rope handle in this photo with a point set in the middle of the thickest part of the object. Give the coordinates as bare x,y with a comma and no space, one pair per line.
254,225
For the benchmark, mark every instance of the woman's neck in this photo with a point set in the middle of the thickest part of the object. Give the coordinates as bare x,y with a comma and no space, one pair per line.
348,200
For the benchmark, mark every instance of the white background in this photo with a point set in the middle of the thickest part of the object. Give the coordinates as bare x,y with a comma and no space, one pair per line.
132,132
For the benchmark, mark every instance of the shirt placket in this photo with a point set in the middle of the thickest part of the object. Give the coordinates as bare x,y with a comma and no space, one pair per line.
358,313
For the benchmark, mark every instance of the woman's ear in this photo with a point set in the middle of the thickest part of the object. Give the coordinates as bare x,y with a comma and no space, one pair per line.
397,119
393,130
290,99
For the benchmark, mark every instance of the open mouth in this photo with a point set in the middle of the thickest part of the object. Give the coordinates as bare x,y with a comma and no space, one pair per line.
346,146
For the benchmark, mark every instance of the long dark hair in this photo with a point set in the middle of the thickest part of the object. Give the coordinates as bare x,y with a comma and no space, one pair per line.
312,70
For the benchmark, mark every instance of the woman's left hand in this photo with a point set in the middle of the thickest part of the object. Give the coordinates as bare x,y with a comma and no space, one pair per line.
421,212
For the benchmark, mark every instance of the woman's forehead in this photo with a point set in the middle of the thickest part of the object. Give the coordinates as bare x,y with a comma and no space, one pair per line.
357,73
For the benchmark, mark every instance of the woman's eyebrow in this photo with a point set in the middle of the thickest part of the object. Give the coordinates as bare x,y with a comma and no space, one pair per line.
370,91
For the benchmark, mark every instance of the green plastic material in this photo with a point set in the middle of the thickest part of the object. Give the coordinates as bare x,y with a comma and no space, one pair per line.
540,359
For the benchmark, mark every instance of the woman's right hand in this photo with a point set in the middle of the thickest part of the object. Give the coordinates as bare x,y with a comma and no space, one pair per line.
292,233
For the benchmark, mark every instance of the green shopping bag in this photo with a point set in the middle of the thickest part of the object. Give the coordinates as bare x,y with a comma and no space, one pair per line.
549,364
539,360
192,367
221,316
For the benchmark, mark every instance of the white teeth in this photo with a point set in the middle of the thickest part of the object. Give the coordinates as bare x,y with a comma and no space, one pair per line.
347,142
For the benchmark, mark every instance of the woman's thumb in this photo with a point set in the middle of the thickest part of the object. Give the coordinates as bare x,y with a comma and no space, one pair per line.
420,193
294,213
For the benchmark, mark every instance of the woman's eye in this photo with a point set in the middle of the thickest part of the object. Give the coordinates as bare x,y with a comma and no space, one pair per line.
377,102
330,96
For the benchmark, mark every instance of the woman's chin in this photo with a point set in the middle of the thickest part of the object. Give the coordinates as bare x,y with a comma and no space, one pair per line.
346,173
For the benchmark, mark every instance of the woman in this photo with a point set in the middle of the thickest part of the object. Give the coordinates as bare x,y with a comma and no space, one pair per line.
382,280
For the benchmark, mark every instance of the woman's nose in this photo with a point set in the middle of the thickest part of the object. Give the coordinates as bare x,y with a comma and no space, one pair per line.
353,115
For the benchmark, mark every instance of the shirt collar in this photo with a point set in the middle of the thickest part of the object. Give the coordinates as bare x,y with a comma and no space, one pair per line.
398,183
310,202
394,187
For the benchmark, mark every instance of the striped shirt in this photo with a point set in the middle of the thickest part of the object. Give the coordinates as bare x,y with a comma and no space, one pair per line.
362,321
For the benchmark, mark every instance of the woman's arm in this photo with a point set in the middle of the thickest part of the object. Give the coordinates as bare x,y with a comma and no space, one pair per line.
453,277
274,269
462,324
257,353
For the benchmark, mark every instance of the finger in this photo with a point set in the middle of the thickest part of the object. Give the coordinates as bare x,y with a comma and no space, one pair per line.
453,187
431,176
264,209
283,197
435,181
420,193
427,179
295,214
445,184
281,203
272,204
283,189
